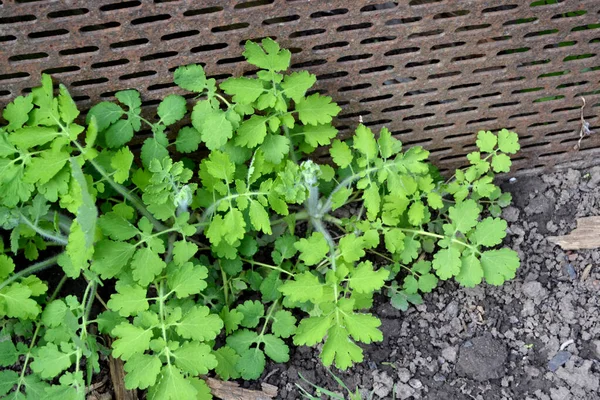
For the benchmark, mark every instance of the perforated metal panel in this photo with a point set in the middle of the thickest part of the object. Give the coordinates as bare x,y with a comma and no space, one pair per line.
434,71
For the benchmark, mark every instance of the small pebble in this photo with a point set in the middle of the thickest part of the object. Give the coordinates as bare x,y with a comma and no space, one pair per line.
415,383
571,271
439,378
559,360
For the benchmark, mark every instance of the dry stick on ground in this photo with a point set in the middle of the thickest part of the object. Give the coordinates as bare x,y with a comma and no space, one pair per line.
232,391
585,236
117,377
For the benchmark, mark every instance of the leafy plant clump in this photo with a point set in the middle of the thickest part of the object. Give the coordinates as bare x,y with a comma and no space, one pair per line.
180,267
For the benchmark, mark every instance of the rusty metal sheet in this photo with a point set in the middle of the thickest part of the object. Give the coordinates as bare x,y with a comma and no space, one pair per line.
434,71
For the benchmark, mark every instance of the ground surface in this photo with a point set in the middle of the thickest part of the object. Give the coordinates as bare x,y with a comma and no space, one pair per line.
493,343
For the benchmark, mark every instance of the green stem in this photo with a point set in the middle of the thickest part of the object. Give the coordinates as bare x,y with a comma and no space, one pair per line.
391,260
56,237
30,270
267,266
130,197
225,284
268,317
211,209
35,334
286,131
435,235
223,99
161,313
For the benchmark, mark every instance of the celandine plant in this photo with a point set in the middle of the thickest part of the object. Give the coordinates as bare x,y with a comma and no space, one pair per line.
221,264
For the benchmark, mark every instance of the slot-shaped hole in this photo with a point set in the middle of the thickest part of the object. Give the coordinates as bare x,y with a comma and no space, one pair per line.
378,39
471,28
281,20
490,69
332,75
180,35
89,82
447,45
507,104
405,50
329,13
354,27
135,75
439,102
354,87
438,126
61,70
252,4
208,47
158,56
418,116
378,7
403,21
121,5
461,110
78,50
468,57
68,13
308,32
17,19
541,33
111,63
451,14
464,86
399,79
520,21
332,45
414,64
397,108
376,98
44,34
379,68
26,57
202,11
481,120
504,7
99,27
433,32
14,76
129,43
444,75
151,19
419,92
354,57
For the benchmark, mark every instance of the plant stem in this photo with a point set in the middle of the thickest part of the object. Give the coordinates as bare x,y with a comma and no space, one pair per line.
30,270
435,235
286,132
56,237
35,334
267,266
130,197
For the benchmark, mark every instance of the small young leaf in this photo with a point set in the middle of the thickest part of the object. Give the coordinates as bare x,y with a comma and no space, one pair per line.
190,77
508,142
313,249
252,311
486,141
121,162
172,109
340,153
316,109
243,90
365,280
142,371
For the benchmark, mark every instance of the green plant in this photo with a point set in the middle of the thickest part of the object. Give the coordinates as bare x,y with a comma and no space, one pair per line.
240,245
320,391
